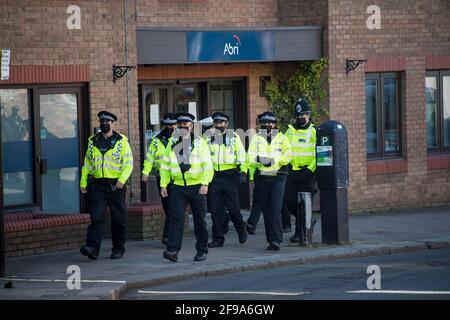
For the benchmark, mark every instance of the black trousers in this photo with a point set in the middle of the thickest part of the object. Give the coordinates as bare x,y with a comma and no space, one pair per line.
255,212
102,195
270,192
165,204
296,183
285,213
224,190
179,198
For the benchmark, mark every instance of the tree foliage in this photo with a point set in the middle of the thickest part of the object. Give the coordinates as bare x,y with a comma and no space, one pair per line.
306,81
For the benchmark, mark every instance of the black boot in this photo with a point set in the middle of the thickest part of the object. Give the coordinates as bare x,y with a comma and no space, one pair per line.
250,228
89,252
242,235
172,256
295,237
200,256
215,244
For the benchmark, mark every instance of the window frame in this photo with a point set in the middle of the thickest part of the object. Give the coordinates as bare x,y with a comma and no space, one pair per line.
380,114
434,74
439,75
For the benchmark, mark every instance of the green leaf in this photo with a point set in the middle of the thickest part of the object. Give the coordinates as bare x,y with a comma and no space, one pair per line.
306,81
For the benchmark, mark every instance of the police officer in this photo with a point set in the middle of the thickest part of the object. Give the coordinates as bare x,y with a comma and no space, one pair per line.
255,211
228,157
208,132
153,161
300,182
187,162
207,124
109,162
268,155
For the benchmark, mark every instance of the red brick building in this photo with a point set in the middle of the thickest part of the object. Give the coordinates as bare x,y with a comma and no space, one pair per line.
396,106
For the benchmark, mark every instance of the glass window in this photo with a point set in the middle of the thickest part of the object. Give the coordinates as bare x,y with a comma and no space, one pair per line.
382,104
221,98
437,110
17,144
431,111
446,109
181,98
371,116
390,116
154,96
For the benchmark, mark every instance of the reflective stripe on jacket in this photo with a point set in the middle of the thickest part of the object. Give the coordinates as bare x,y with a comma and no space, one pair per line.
116,163
303,142
229,154
201,168
279,150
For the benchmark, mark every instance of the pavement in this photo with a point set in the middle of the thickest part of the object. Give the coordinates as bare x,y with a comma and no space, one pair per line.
45,276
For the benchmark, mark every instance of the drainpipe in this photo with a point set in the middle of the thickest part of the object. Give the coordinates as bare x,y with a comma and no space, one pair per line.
2,216
125,25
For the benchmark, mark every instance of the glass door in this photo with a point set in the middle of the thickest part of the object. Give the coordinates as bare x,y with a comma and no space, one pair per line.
221,99
157,100
58,151
155,105
17,142
185,98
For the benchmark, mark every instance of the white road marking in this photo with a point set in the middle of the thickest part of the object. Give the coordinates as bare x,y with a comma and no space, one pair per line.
226,292
60,280
401,292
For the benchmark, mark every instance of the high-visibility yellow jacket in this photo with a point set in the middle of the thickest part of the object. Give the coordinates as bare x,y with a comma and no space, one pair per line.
154,154
227,154
116,163
279,150
200,171
303,142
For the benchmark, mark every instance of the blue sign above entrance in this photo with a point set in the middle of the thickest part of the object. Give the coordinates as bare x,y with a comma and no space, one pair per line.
222,46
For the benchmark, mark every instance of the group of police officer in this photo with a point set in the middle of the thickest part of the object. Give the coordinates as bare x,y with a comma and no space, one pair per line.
205,172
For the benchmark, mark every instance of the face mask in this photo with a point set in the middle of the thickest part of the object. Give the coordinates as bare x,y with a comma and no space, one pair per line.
105,127
183,130
267,128
220,129
167,132
301,121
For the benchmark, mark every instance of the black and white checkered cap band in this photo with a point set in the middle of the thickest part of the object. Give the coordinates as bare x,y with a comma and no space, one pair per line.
106,117
184,118
169,121
268,118
220,118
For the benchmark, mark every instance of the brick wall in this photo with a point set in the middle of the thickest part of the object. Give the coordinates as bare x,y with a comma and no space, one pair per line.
411,30
145,222
303,12
37,35
27,234
207,14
